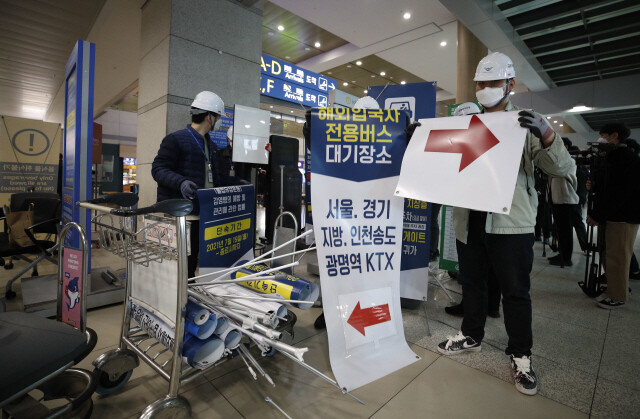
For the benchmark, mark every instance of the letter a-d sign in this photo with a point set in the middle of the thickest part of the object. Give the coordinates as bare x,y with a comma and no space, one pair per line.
466,161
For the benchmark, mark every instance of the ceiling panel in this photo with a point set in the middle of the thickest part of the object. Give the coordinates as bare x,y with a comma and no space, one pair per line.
629,117
297,41
580,40
36,39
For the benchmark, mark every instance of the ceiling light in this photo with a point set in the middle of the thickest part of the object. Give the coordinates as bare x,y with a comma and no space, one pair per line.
406,15
555,122
280,28
403,82
561,125
382,73
247,126
358,62
291,111
262,122
373,76
329,72
348,65
580,108
317,44
366,91
270,33
353,81
443,43
271,106
287,57
307,49
548,117
345,84
512,93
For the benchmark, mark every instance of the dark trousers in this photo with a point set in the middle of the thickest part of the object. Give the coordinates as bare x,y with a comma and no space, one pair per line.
510,258
543,220
634,268
434,238
575,218
562,217
194,240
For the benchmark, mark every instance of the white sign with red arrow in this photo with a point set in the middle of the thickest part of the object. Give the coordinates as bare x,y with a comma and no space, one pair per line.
466,161
366,316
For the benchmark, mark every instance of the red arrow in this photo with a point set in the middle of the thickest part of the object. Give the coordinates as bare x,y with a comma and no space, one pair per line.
361,318
472,142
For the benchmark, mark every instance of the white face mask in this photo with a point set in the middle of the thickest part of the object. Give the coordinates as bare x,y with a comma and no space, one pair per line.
490,96
217,125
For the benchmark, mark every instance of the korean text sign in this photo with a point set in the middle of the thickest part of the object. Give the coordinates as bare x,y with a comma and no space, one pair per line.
227,217
355,161
289,82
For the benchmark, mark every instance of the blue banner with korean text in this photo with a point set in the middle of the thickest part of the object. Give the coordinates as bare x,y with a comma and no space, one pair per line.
416,235
356,156
227,225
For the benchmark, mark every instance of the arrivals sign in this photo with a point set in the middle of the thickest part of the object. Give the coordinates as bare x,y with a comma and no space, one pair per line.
475,159
285,81
355,162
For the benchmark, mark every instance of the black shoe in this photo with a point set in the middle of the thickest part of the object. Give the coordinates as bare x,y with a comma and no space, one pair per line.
319,323
523,375
452,274
610,304
457,310
556,257
560,262
458,344
494,313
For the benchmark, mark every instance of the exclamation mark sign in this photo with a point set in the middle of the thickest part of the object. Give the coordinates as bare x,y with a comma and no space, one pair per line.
30,142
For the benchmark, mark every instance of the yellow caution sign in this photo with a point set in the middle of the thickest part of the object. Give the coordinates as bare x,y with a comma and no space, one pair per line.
222,230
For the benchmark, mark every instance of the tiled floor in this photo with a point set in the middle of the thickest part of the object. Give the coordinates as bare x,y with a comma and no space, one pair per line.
587,360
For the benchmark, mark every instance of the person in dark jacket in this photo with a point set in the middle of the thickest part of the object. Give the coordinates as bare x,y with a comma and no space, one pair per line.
619,208
186,161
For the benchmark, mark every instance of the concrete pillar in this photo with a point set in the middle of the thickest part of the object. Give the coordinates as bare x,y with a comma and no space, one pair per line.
470,52
188,46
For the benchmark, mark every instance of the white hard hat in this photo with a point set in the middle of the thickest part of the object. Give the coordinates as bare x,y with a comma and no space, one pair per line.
366,102
230,133
468,108
206,101
495,66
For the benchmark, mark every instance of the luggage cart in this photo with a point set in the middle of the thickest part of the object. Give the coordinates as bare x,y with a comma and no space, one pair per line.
116,234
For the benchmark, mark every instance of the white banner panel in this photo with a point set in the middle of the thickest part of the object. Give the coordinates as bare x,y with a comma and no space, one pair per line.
358,227
475,159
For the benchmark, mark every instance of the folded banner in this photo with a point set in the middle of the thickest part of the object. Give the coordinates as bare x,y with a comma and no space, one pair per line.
355,161
475,159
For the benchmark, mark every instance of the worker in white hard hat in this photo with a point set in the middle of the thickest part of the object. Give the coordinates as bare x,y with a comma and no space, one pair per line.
187,160
502,244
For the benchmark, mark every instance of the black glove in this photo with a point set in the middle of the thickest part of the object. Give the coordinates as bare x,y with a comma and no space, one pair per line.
410,129
188,189
537,125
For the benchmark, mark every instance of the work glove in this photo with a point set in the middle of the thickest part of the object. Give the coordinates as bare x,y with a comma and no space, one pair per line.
410,129
188,189
536,124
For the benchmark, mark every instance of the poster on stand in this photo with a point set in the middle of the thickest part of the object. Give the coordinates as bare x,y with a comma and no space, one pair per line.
418,101
355,163
227,225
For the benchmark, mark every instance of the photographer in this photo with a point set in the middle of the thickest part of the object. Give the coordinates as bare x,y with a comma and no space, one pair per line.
617,205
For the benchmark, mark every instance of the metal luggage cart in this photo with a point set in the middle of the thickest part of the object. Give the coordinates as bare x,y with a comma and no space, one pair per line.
151,244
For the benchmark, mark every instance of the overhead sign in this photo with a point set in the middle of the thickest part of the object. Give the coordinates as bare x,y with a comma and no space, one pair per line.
289,82
355,163
475,159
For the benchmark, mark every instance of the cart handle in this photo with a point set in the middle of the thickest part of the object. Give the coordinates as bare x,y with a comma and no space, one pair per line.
123,199
174,207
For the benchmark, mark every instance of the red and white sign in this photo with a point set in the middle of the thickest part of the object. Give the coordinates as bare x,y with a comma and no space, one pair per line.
366,316
72,287
466,161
